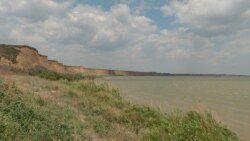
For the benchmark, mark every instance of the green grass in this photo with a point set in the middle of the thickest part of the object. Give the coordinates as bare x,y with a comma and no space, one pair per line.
34,118
147,123
51,75
85,110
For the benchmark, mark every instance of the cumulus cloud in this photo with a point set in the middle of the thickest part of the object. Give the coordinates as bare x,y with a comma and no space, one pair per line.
110,30
211,17
121,38
71,30
33,10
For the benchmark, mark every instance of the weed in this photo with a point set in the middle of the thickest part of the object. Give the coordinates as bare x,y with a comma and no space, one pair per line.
101,127
40,101
72,94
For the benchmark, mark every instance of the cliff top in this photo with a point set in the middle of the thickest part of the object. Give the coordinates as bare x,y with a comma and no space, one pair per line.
17,46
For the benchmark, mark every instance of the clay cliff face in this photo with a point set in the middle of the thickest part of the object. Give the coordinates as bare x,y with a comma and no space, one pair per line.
25,57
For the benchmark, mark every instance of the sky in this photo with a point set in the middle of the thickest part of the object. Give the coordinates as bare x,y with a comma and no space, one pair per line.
173,36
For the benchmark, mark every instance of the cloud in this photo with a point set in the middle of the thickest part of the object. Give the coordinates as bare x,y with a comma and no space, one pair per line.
82,28
33,10
83,24
120,38
101,30
213,17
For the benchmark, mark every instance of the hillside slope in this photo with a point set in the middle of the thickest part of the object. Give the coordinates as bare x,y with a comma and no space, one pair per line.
32,108
25,57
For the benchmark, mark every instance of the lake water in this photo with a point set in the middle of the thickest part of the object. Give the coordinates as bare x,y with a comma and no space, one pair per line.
227,98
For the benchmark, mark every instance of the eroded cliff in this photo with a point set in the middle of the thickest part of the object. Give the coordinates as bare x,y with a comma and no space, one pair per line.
25,57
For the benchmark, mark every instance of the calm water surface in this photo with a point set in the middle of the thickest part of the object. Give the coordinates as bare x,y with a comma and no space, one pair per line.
227,98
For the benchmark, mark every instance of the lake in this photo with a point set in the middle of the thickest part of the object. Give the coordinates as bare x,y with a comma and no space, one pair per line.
227,97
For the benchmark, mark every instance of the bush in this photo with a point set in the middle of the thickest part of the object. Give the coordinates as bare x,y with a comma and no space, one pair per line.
37,70
51,75
76,77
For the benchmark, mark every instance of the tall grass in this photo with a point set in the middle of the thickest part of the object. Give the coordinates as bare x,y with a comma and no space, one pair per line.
85,110
146,123
51,75
31,118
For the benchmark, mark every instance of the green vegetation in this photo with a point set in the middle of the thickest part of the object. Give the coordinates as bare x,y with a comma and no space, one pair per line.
86,110
51,75
9,53
24,117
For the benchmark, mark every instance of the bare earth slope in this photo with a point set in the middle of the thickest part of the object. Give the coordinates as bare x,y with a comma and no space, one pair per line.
25,57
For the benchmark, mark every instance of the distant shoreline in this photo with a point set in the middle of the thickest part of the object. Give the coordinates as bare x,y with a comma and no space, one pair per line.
173,74
26,57
218,75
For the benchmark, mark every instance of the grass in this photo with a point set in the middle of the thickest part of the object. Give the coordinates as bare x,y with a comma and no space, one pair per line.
51,75
149,124
38,109
33,118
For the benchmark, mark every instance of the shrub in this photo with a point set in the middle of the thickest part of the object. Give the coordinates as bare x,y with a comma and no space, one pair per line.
51,75
76,77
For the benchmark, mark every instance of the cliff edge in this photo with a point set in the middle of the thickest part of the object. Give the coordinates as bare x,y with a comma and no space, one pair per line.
26,57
